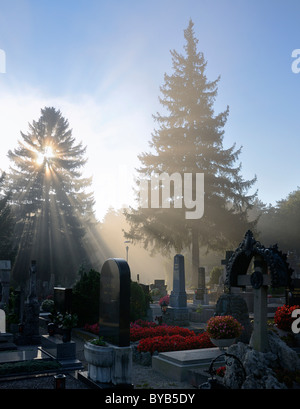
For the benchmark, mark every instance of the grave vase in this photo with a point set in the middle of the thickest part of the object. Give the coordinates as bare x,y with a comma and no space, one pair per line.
100,362
223,343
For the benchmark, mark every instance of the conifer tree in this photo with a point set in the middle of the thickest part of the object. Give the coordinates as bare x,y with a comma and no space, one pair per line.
189,139
49,197
7,252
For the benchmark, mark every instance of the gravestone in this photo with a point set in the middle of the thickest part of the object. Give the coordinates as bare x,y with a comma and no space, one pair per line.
5,268
114,307
62,298
200,292
293,294
235,305
177,312
30,333
114,317
2,321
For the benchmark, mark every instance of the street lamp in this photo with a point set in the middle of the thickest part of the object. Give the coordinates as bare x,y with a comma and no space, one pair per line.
127,248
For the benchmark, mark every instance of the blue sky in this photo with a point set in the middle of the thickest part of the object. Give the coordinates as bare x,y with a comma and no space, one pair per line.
101,62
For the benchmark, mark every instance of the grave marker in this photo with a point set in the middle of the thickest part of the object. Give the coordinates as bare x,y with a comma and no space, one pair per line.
270,268
114,307
2,321
62,299
5,268
177,311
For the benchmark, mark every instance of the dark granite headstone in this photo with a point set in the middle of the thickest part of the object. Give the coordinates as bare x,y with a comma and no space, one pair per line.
178,298
114,307
293,294
201,284
63,299
30,334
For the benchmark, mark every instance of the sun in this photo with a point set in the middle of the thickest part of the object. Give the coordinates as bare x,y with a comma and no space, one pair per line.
45,155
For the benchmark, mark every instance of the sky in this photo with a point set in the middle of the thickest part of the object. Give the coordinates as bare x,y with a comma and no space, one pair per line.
102,62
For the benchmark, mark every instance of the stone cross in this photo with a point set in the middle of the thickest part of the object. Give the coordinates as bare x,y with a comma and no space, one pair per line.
260,281
224,262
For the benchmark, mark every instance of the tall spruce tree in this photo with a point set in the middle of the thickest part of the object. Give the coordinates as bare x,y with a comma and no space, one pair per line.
49,197
189,139
7,251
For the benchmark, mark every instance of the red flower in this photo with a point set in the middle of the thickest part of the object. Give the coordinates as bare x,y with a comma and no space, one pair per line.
174,343
283,317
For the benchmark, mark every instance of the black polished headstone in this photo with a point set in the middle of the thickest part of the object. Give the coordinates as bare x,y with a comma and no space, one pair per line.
114,307
62,298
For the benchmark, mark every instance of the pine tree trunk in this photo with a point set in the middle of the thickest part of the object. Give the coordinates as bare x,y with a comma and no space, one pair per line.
195,256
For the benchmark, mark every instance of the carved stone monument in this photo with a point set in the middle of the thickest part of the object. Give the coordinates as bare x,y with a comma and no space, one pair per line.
270,269
30,333
177,312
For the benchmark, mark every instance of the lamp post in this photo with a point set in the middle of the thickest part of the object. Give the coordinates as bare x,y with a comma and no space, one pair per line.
127,248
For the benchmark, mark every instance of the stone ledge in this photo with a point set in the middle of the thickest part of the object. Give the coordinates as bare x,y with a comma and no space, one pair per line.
177,364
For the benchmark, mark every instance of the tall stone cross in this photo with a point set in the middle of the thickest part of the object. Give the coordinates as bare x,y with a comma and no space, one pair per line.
270,269
260,281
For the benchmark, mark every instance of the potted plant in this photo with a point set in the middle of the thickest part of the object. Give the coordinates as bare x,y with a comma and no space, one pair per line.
223,330
99,356
65,322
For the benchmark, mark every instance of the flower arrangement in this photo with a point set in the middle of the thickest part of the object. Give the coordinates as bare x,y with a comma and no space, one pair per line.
142,323
65,321
98,341
137,334
283,317
164,300
93,328
174,343
223,327
221,371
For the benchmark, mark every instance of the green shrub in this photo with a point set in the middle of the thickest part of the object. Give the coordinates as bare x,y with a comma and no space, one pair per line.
48,306
34,365
138,302
215,275
85,298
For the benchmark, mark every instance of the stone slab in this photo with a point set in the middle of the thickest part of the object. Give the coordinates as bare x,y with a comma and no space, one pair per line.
22,354
177,364
63,352
57,348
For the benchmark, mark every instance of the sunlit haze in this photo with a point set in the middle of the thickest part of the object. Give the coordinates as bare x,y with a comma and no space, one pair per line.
102,63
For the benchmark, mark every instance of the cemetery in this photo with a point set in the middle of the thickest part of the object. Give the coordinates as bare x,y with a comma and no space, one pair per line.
245,339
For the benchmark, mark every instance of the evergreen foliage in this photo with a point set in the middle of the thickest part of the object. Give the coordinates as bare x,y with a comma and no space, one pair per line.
139,302
85,298
189,139
52,208
7,250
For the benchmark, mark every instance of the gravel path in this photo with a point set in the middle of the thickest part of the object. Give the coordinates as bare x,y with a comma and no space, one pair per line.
143,377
